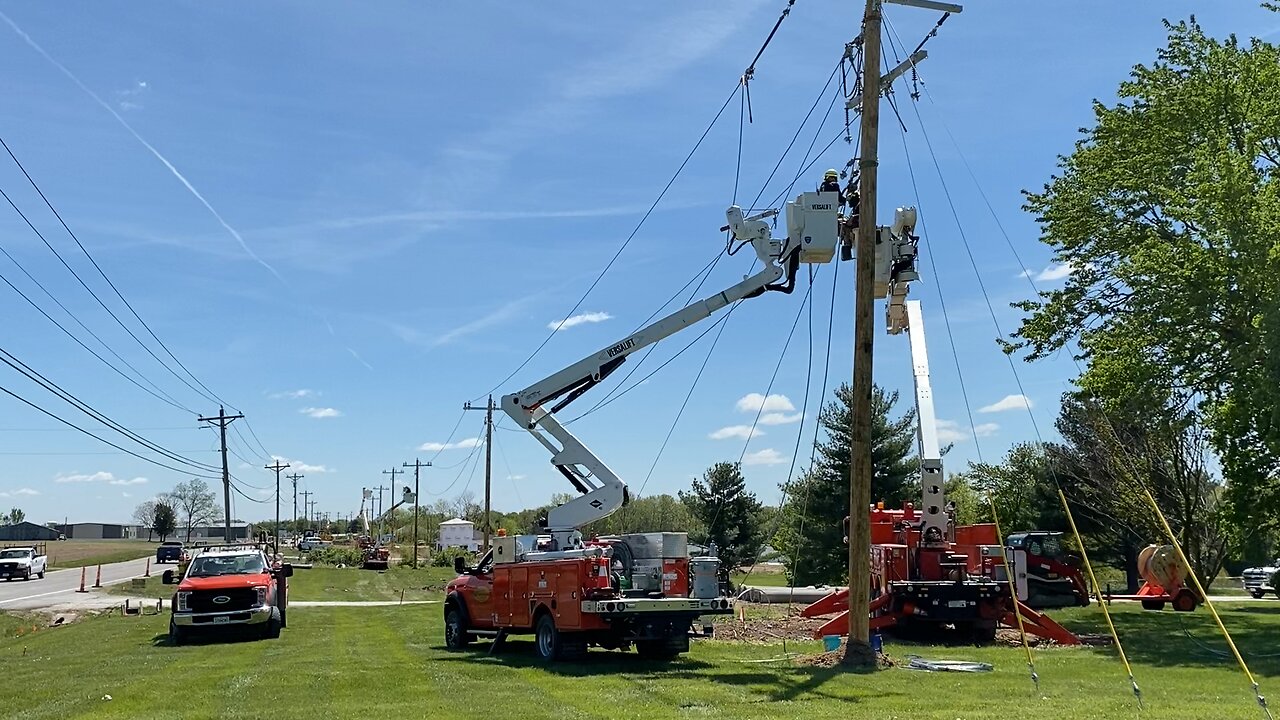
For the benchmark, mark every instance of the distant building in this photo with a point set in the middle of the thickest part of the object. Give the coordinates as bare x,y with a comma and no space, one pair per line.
239,531
458,533
27,531
92,531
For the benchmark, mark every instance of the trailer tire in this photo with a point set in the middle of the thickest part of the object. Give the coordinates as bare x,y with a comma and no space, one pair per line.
456,636
1152,604
1184,601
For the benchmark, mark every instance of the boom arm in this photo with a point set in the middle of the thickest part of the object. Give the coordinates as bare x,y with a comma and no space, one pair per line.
603,492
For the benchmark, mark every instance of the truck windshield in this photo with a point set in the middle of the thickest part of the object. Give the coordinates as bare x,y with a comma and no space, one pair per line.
15,554
227,565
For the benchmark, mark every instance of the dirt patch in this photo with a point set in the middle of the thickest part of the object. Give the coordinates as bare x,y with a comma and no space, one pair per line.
1011,638
768,629
836,658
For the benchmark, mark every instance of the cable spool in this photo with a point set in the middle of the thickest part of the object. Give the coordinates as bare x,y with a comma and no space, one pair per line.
1159,565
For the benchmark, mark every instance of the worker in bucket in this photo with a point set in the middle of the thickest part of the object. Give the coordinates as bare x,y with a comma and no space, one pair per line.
830,182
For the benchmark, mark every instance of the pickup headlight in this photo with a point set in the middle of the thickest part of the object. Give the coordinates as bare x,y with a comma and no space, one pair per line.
182,601
262,595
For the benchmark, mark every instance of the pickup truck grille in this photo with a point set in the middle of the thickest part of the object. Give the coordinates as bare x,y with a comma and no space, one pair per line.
9,567
201,601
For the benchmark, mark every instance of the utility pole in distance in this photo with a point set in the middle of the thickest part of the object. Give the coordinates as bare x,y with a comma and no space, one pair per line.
295,478
392,472
222,421
277,467
305,509
488,464
417,467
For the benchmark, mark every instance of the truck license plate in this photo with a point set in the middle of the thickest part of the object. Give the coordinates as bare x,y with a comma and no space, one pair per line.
957,603
220,620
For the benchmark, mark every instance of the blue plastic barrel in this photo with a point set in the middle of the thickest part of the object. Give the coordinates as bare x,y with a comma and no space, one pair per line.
877,644
831,642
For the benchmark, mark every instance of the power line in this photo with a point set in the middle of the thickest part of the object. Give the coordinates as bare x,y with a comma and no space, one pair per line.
70,424
211,395
33,375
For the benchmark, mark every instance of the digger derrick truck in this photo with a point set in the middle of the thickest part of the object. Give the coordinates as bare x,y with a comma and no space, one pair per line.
927,572
641,589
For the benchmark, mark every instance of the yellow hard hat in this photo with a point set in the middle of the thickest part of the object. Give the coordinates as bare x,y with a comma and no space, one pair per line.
832,174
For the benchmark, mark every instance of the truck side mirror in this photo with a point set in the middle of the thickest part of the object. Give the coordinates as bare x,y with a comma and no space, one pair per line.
286,570
459,565
167,577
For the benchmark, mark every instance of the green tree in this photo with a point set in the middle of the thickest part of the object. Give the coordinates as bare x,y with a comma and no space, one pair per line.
15,516
164,521
811,530
1022,487
730,515
1167,214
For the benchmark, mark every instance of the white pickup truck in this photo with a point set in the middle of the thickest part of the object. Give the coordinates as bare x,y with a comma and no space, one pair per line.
22,562
1257,580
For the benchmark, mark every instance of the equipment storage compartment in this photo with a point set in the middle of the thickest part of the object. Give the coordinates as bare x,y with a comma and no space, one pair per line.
655,546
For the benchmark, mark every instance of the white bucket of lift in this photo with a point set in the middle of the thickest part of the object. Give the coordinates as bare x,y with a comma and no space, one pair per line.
705,584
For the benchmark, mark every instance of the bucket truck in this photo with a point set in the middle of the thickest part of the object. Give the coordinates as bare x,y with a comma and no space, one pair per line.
926,572
640,589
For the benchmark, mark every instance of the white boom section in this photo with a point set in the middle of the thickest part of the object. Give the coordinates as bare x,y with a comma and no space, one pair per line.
931,478
603,492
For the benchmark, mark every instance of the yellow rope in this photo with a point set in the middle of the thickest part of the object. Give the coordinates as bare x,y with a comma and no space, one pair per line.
1262,701
1013,593
1105,612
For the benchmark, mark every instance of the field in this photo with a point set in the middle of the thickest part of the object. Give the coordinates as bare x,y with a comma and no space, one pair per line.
80,553
325,583
389,661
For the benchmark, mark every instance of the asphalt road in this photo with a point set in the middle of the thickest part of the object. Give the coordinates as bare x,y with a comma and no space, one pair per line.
59,586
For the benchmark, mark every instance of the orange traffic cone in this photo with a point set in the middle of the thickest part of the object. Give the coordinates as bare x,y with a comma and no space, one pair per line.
82,581
98,581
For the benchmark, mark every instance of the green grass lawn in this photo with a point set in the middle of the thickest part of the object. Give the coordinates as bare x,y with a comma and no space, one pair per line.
327,583
388,661
81,553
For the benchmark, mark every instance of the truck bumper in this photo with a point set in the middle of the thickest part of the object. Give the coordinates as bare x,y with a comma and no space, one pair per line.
252,616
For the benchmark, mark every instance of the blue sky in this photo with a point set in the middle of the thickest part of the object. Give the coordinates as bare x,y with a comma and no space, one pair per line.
348,221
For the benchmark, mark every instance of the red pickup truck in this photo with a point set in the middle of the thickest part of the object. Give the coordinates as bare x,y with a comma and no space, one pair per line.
229,586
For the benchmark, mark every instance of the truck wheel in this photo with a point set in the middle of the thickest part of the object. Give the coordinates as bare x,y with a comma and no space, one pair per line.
1257,594
272,629
555,645
177,634
456,636
665,649
40,574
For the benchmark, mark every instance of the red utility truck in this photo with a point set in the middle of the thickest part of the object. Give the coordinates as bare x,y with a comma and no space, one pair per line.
229,586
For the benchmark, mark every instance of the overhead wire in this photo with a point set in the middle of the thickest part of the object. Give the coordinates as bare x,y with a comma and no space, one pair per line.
621,248
31,374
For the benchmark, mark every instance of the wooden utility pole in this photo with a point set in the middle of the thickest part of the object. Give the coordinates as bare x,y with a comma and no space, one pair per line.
306,509
417,467
222,421
392,472
488,465
295,478
277,467
857,650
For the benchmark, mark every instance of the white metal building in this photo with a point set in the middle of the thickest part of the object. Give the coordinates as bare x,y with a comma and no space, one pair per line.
458,533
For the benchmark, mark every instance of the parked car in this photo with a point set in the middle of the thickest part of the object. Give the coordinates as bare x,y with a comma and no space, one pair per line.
1257,580
229,586
22,562
312,543
170,551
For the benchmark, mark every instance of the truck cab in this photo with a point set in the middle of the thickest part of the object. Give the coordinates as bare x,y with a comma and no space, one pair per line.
24,562
225,586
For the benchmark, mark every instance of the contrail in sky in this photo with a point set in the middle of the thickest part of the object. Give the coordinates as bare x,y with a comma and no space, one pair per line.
105,106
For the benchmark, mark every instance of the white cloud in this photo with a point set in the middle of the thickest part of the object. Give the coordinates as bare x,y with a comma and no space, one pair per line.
18,492
767,456
949,432
460,445
736,431
986,429
294,394
83,478
131,481
515,477
755,402
321,412
1009,402
1055,272
780,418
301,467
125,494
580,319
